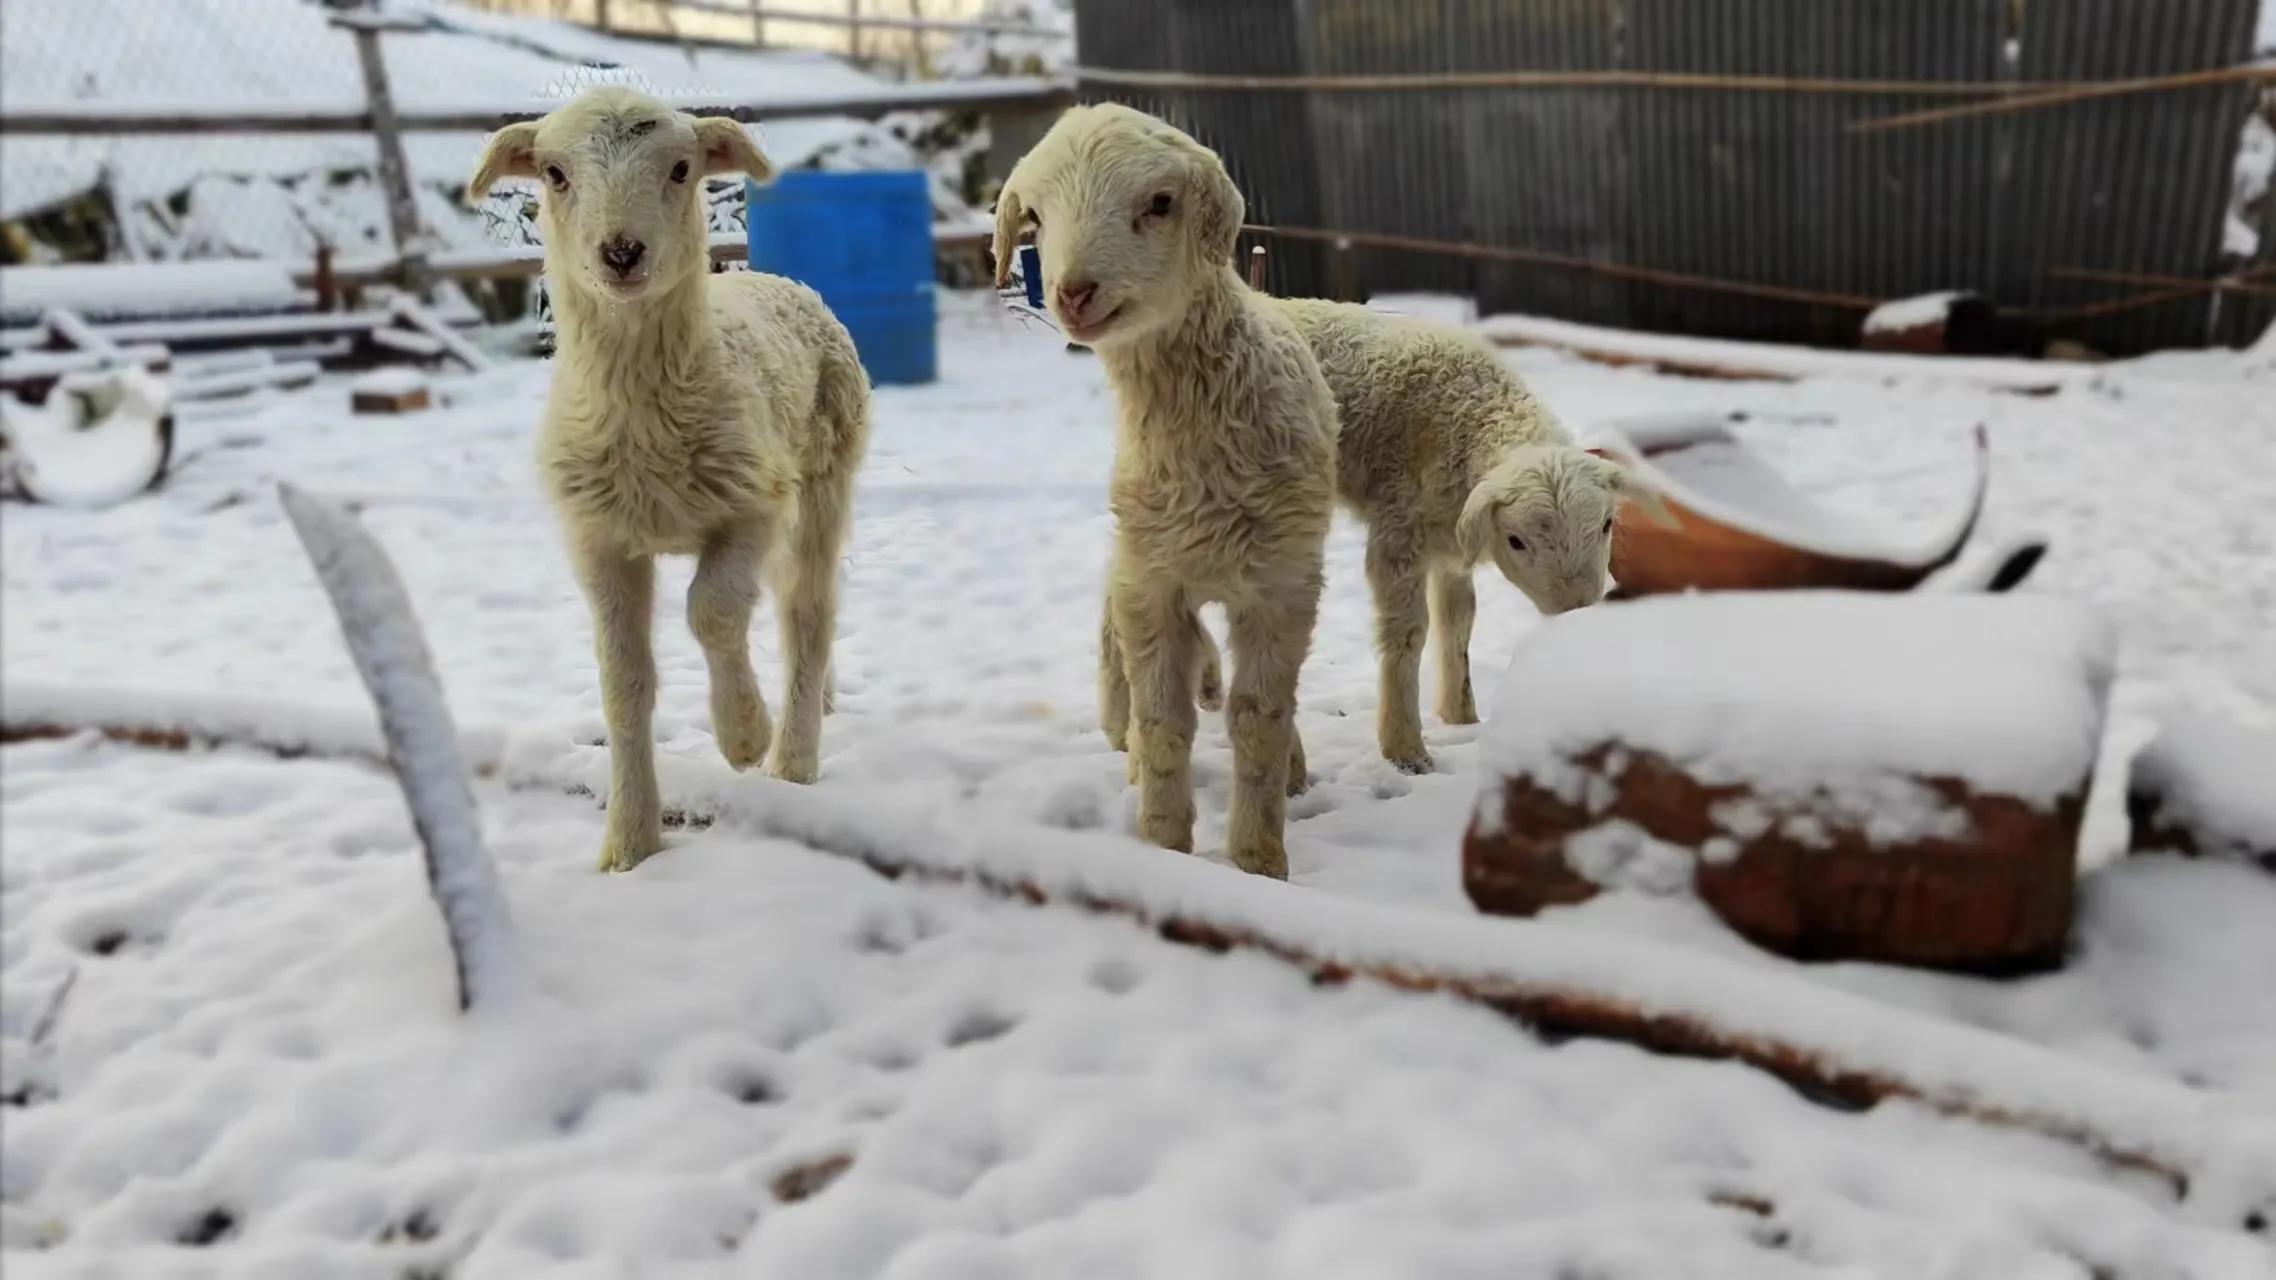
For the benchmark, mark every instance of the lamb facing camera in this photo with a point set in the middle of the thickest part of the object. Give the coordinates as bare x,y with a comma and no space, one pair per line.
718,416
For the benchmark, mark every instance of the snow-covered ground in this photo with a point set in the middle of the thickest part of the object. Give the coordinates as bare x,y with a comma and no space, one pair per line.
257,1044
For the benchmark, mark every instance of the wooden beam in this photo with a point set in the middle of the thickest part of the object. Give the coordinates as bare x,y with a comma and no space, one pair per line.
394,170
72,118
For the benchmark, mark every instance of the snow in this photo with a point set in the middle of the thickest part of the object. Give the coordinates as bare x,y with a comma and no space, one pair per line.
112,291
2214,779
396,381
262,1021
1829,705
1910,313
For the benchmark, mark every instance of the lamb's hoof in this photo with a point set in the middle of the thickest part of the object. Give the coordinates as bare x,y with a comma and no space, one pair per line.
794,767
1268,859
744,748
619,853
1416,761
1298,783
1211,693
1177,837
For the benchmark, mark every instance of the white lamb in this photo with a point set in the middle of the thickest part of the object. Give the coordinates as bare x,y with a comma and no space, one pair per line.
720,416
1224,470
1449,460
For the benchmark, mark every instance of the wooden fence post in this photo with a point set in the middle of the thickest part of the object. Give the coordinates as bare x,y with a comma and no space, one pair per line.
601,14
758,25
853,29
387,134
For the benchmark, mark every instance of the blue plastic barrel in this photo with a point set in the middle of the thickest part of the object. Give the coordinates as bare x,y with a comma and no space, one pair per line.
864,241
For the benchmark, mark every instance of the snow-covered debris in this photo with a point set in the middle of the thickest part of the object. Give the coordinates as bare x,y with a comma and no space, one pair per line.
2001,692
1911,313
422,743
2249,194
102,437
394,381
2207,785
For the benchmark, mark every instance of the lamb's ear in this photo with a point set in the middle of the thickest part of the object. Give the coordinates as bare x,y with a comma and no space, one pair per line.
1626,483
1218,209
727,148
1474,530
1009,213
510,153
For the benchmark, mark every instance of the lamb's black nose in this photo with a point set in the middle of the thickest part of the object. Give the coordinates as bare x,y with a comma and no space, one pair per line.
622,255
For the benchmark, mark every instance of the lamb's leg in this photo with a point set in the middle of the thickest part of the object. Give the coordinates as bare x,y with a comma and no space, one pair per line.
1453,607
621,590
807,599
1269,640
1396,573
1209,691
1113,680
720,600
1149,623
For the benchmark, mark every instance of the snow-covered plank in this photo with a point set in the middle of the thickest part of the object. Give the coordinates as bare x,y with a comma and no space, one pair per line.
140,290
1768,361
1566,979
416,314
391,655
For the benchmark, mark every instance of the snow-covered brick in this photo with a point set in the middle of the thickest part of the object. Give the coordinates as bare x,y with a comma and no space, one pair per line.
1899,778
390,390
2206,786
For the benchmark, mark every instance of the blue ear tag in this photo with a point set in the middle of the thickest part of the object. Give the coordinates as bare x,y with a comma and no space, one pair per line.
1031,272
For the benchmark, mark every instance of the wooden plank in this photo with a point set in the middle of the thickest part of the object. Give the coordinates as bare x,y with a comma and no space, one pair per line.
428,324
154,119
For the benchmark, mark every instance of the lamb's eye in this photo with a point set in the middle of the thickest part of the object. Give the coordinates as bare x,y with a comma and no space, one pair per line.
1516,543
680,171
1608,526
558,180
1160,208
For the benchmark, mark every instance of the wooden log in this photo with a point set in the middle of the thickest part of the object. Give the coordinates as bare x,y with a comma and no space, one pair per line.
1996,900
2161,1130
1837,776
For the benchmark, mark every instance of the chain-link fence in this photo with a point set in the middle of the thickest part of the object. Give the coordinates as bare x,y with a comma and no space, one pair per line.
242,128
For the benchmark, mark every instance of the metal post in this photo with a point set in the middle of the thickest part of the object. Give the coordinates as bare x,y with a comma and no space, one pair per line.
394,172
758,25
601,14
853,29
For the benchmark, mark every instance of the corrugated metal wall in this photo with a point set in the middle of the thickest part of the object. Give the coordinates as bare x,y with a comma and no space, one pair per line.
1769,188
